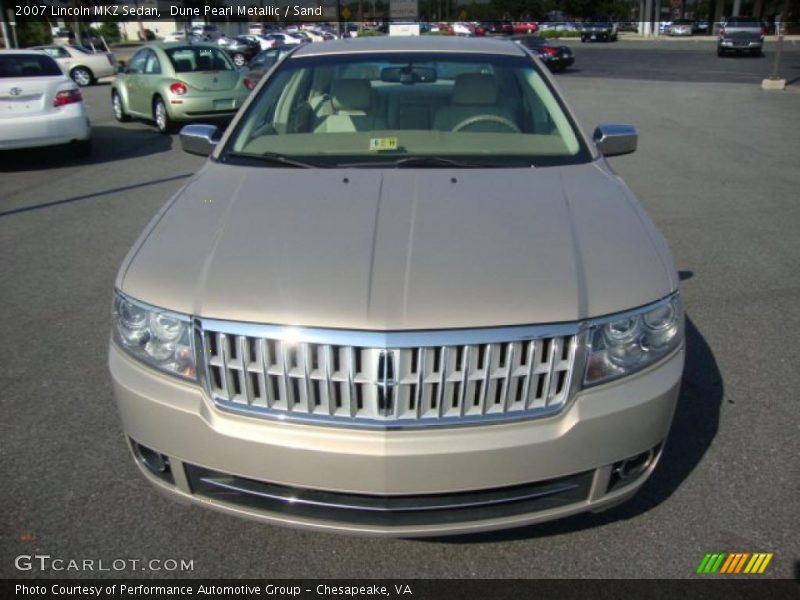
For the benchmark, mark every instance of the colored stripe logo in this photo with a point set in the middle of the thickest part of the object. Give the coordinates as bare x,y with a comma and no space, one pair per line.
734,562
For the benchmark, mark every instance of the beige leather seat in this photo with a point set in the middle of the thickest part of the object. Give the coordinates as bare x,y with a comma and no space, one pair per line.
474,94
351,108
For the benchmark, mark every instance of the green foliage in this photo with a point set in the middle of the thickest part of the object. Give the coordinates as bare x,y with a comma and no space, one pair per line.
32,32
110,31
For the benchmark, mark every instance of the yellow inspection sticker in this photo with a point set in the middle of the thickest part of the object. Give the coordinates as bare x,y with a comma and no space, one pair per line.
378,144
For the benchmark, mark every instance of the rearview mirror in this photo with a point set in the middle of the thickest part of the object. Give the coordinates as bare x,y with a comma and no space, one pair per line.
613,139
199,139
408,74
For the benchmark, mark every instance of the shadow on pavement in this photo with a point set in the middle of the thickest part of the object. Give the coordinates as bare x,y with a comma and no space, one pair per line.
117,190
693,429
109,143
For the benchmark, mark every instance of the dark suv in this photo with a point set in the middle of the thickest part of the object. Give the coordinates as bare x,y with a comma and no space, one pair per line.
741,34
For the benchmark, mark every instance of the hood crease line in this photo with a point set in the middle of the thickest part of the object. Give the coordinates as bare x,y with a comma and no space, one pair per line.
409,246
580,271
202,280
374,243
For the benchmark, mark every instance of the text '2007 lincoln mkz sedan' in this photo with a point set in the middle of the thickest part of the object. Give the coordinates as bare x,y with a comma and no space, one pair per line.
406,296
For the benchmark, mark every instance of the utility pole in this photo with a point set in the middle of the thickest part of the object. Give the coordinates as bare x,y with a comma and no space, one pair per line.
775,82
4,25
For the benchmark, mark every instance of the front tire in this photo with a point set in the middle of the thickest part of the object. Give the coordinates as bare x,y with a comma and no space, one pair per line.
82,76
161,117
118,109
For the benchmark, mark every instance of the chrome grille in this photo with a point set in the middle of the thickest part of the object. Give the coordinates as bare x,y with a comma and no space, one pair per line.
280,374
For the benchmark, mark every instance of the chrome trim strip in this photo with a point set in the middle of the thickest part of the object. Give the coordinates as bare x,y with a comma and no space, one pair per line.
507,381
244,357
421,366
389,424
462,401
219,482
392,339
487,377
443,358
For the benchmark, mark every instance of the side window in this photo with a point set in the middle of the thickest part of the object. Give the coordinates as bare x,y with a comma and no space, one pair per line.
137,62
56,52
152,66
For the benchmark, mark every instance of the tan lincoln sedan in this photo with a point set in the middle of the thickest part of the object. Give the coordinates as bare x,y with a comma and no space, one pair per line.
405,296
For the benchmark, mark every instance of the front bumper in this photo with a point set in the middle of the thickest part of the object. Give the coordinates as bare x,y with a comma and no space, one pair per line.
65,125
257,468
601,35
741,44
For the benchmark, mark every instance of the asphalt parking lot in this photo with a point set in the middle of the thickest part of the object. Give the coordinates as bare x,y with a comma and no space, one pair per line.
717,169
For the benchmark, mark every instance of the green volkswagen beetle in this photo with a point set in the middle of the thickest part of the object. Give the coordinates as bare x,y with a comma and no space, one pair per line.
174,82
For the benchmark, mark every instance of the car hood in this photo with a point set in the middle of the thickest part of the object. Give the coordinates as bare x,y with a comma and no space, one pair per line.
400,249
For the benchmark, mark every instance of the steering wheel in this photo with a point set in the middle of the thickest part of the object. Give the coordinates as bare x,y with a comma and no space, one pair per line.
487,119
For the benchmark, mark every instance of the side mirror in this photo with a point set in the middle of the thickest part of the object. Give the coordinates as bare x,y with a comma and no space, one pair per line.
121,67
613,139
199,139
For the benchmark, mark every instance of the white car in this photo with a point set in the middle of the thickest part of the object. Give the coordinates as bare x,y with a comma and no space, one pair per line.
461,29
315,37
264,43
39,104
176,36
284,38
83,66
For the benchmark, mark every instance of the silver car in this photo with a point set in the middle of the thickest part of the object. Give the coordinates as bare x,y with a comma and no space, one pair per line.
406,296
82,65
681,28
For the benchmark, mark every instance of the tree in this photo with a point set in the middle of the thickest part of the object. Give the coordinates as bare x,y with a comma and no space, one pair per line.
109,30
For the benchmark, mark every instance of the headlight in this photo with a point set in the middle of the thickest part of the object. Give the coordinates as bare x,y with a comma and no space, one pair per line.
623,344
161,339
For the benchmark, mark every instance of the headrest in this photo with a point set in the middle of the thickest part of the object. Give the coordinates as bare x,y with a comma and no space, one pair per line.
350,94
203,63
475,88
183,65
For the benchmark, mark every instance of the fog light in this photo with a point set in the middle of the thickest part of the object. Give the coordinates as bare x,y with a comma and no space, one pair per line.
156,463
626,471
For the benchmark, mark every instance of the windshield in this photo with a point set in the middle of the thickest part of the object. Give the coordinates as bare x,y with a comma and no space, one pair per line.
198,58
742,22
370,108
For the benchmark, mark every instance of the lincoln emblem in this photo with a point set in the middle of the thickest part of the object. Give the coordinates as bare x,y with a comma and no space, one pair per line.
386,382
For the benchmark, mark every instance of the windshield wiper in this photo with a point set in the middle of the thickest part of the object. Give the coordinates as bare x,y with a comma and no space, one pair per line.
273,157
425,161
428,162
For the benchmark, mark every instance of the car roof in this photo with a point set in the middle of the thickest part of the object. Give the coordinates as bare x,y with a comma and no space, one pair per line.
410,44
182,44
23,51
